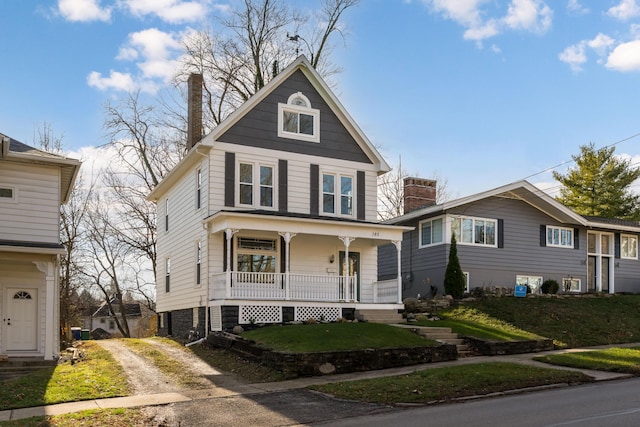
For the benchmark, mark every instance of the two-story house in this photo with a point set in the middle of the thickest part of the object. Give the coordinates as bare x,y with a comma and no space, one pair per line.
513,234
33,185
272,216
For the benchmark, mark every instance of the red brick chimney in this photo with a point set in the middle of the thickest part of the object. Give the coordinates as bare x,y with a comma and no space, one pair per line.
194,110
418,193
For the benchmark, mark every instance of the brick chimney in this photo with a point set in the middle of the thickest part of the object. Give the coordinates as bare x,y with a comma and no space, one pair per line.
418,193
194,110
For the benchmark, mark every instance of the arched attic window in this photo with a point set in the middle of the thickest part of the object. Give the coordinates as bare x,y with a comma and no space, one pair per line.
297,120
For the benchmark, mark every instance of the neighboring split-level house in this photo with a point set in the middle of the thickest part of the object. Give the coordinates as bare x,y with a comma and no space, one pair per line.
272,216
33,185
511,234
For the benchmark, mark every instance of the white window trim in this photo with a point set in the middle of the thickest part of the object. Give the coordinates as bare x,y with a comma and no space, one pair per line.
337,195
14,194
572,279
449,230
524,279
198,257
198,189
560,229
256,185
166,214
167,274
315,113
466,278
636,240
444,222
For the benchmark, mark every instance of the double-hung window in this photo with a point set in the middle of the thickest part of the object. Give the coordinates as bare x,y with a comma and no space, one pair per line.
167,275
431,232
297,120
256,255
337,194
166,214
475,231
198,188
629,246
560,237
256,182
198,261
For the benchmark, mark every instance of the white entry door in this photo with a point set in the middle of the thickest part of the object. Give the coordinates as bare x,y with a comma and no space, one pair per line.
21,321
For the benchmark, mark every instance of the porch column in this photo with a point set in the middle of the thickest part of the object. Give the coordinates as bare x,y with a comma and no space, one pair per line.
229,232
287,236
51,323
398,245
345,288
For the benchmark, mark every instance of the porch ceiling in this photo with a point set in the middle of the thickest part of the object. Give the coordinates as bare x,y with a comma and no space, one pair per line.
222,220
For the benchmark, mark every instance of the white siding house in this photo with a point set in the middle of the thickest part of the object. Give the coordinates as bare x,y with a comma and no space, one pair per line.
33,185
256,222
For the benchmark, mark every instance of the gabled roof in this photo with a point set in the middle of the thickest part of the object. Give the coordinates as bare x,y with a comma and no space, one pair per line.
16,151
532,195
520,190
302,64
130,309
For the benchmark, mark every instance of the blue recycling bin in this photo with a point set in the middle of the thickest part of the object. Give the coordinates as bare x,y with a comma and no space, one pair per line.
76,333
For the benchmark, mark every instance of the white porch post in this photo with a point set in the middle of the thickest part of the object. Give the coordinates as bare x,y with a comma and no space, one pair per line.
345,273
229,232
51,321
287,236
398,245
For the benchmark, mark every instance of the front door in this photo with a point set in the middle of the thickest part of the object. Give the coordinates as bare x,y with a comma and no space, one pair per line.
20,323
354,268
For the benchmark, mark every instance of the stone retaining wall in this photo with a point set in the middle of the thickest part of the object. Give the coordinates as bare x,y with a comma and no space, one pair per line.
294,365
494,348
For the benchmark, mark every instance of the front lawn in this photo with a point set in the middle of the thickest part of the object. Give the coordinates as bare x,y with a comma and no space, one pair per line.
97,376
438,384
623,360
334,337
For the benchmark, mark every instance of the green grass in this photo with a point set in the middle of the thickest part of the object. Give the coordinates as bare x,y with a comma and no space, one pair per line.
93,418
571,322
229,362
97,376
334,337
471,322
623,360
440,384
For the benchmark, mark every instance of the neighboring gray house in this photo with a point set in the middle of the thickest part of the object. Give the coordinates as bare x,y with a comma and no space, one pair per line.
511,234
139,319
272,216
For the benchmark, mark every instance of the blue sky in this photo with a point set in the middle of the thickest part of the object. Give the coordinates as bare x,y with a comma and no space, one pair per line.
479,92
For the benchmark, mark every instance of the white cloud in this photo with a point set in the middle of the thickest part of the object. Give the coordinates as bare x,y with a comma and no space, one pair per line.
171,11
625,57
576,8
83,10
531,15
627,9
575,56
116,80
474,16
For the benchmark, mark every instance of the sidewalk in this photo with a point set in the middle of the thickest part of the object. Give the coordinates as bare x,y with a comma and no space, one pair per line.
217,392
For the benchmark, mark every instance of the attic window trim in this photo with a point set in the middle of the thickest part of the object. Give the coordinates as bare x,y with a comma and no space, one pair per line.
8,189
294,105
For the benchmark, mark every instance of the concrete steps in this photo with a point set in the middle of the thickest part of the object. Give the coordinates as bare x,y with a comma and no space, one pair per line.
379,316
444,335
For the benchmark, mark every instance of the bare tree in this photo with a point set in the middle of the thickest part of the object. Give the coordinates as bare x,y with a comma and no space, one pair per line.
254,42
391,191
71,236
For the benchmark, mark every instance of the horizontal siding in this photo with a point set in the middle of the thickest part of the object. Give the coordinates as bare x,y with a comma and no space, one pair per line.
34,217
179,244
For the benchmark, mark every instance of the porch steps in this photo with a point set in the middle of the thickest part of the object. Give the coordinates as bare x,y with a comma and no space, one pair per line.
379,316
17,367
444,335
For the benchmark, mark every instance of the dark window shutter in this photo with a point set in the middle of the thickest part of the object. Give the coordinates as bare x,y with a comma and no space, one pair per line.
360,188
501,233
314,191
616,245
283,185
543,235
283,255
576,238
229,178
224,252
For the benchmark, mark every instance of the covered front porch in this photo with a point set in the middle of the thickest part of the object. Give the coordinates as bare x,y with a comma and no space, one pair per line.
271,257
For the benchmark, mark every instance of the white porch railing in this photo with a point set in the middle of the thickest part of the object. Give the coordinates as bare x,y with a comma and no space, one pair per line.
283,286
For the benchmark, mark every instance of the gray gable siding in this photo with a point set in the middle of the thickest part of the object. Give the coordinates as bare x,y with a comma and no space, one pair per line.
258,127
